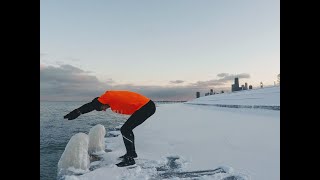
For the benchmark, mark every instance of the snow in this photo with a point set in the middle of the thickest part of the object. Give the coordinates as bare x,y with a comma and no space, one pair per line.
269,96
75,157
96,140
246,141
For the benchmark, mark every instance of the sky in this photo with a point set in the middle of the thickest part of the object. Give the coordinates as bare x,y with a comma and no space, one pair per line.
246,141
167,50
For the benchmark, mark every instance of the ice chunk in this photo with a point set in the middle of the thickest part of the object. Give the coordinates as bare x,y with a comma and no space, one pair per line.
96,140
75,156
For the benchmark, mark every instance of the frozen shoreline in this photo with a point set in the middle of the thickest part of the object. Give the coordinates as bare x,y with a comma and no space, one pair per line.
201,137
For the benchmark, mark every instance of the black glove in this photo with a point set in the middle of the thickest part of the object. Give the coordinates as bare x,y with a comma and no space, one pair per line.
73,114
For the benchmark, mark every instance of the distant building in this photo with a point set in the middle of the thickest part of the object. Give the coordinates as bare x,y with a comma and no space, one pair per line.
242,87
207,94
235,86
198,94
211,91
245,86
261,84
250,87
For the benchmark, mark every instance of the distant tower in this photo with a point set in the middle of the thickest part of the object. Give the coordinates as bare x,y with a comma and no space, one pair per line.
198,94
261,84
250,87
235,86
245,86
236,83
211,91
242,87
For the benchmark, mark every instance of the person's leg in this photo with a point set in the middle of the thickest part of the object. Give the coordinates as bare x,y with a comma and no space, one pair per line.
135,120
128,139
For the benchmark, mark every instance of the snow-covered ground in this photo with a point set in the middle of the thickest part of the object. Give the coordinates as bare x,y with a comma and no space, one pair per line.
267,98
202,137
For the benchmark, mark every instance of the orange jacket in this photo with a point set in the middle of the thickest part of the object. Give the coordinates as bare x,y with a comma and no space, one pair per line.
123,102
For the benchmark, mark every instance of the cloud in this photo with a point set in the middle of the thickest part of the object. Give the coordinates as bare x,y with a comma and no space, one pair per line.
223,80
158,93
176,82
222,74
69,83
110,81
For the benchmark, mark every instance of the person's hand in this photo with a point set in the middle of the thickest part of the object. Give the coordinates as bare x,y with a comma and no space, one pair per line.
73,114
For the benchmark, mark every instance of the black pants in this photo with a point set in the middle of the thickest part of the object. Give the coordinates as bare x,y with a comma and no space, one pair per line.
135,120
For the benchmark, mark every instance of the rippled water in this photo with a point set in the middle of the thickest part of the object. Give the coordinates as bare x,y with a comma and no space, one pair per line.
55,132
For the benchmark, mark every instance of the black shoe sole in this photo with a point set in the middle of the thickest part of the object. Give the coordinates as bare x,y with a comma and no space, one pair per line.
129,166
123,157
126,163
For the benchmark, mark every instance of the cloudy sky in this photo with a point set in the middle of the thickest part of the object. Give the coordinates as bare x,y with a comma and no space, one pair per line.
165,49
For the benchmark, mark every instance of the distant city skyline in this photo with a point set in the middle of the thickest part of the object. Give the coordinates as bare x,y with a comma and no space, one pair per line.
167,50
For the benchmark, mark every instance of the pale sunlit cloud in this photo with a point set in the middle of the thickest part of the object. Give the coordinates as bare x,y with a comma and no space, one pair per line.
68,83
177,82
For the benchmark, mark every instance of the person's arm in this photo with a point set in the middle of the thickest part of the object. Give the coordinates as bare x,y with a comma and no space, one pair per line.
88,107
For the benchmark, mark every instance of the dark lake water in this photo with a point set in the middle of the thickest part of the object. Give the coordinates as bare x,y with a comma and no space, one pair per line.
55,132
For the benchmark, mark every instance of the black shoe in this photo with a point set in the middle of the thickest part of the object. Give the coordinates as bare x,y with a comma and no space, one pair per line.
134,156
127,161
